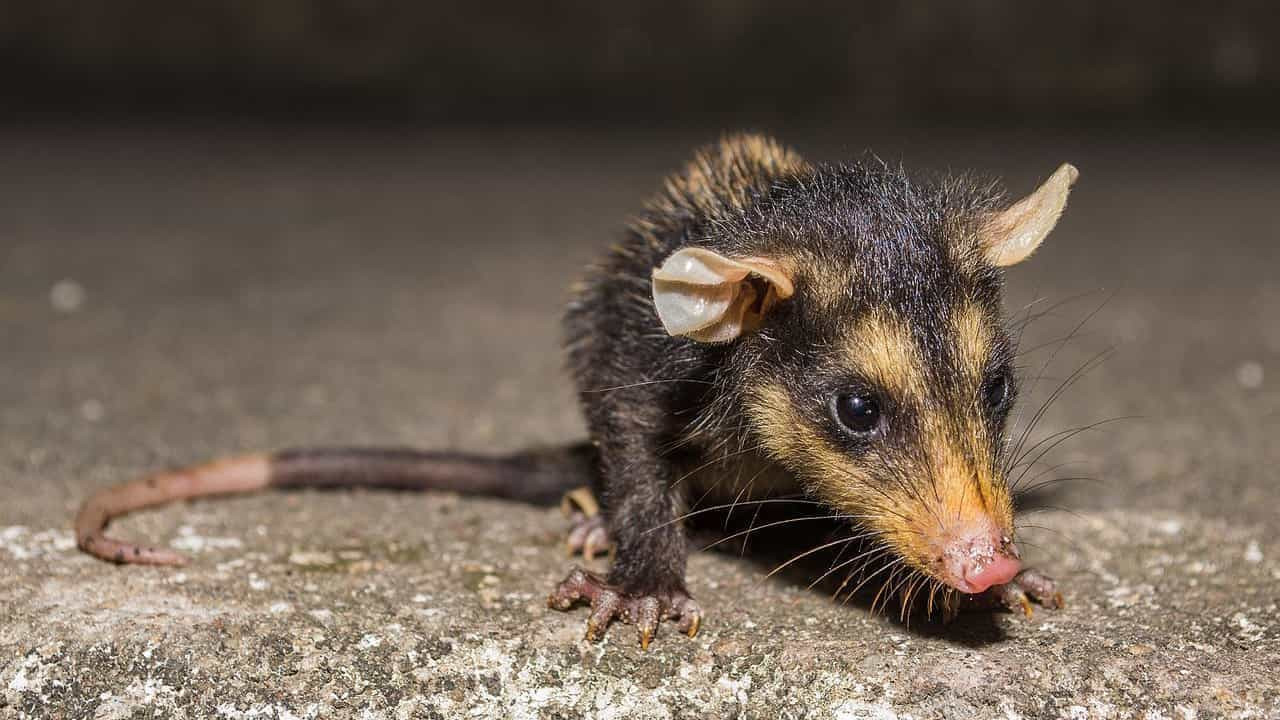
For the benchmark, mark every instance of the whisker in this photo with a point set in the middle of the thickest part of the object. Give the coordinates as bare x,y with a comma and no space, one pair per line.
834,561
762,501
867,579
1054,508
904,614
1030,317
745,489
1052,356
1053,396
776,523
648,382
807,553
1017,454
878,549
1066,538
933,591
709,463
1025,492
875,600
1053,468
1068,436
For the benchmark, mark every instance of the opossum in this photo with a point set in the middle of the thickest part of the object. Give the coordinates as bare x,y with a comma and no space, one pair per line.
767,327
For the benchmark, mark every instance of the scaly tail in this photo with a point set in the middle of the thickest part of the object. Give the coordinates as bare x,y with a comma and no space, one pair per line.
537,476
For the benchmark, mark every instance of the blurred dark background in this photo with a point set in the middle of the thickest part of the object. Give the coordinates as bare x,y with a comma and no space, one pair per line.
958,64
245,225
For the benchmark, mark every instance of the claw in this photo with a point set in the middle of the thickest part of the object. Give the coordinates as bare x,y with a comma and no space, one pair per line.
580,501
694,624
646,610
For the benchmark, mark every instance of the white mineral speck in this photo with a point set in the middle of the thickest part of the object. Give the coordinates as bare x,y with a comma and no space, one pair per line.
312,558
1253,552
67,296
189,541
1249,375
1249,629
92,410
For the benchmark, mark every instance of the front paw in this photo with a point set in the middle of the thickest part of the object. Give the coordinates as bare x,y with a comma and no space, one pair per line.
1017,595
608,603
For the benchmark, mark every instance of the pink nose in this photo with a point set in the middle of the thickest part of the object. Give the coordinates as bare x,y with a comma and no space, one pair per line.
998,571
974,561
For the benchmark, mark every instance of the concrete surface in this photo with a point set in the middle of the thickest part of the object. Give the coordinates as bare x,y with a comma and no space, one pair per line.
172,295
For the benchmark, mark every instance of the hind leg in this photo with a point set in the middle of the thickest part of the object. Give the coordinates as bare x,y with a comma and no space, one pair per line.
588,533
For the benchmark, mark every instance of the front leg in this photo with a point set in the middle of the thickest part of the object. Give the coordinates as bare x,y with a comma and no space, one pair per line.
1017,595
646,584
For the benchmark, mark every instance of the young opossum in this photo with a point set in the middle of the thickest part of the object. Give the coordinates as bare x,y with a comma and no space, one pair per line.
767,327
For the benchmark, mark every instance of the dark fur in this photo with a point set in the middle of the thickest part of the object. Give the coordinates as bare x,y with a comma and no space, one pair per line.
659,405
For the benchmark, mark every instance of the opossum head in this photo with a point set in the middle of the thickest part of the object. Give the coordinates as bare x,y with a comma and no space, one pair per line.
858,320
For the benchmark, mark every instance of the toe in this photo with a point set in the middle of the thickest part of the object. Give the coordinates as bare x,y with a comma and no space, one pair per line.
577,537
577,585
690,622
603,609
1013,597
1041,588
596,539
647,613
688,613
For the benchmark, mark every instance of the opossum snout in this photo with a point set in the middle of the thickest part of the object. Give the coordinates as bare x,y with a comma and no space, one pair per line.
973,560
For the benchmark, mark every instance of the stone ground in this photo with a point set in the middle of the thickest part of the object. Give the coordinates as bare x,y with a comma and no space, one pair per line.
175,294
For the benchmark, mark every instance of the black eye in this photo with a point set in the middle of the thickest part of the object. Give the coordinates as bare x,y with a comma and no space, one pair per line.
858,412
995,391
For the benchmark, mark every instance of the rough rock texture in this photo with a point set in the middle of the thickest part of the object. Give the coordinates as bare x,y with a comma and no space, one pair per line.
170,296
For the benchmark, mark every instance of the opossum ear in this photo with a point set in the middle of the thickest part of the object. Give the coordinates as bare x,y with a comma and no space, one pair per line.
711,298
1011,235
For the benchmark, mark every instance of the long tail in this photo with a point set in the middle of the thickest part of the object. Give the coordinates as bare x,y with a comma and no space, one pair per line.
536,476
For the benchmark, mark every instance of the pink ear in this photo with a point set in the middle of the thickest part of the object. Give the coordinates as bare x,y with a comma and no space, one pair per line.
705,296
1015,233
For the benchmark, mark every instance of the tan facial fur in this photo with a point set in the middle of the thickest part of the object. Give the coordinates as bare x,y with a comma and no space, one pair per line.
915,491
881,349
972,328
